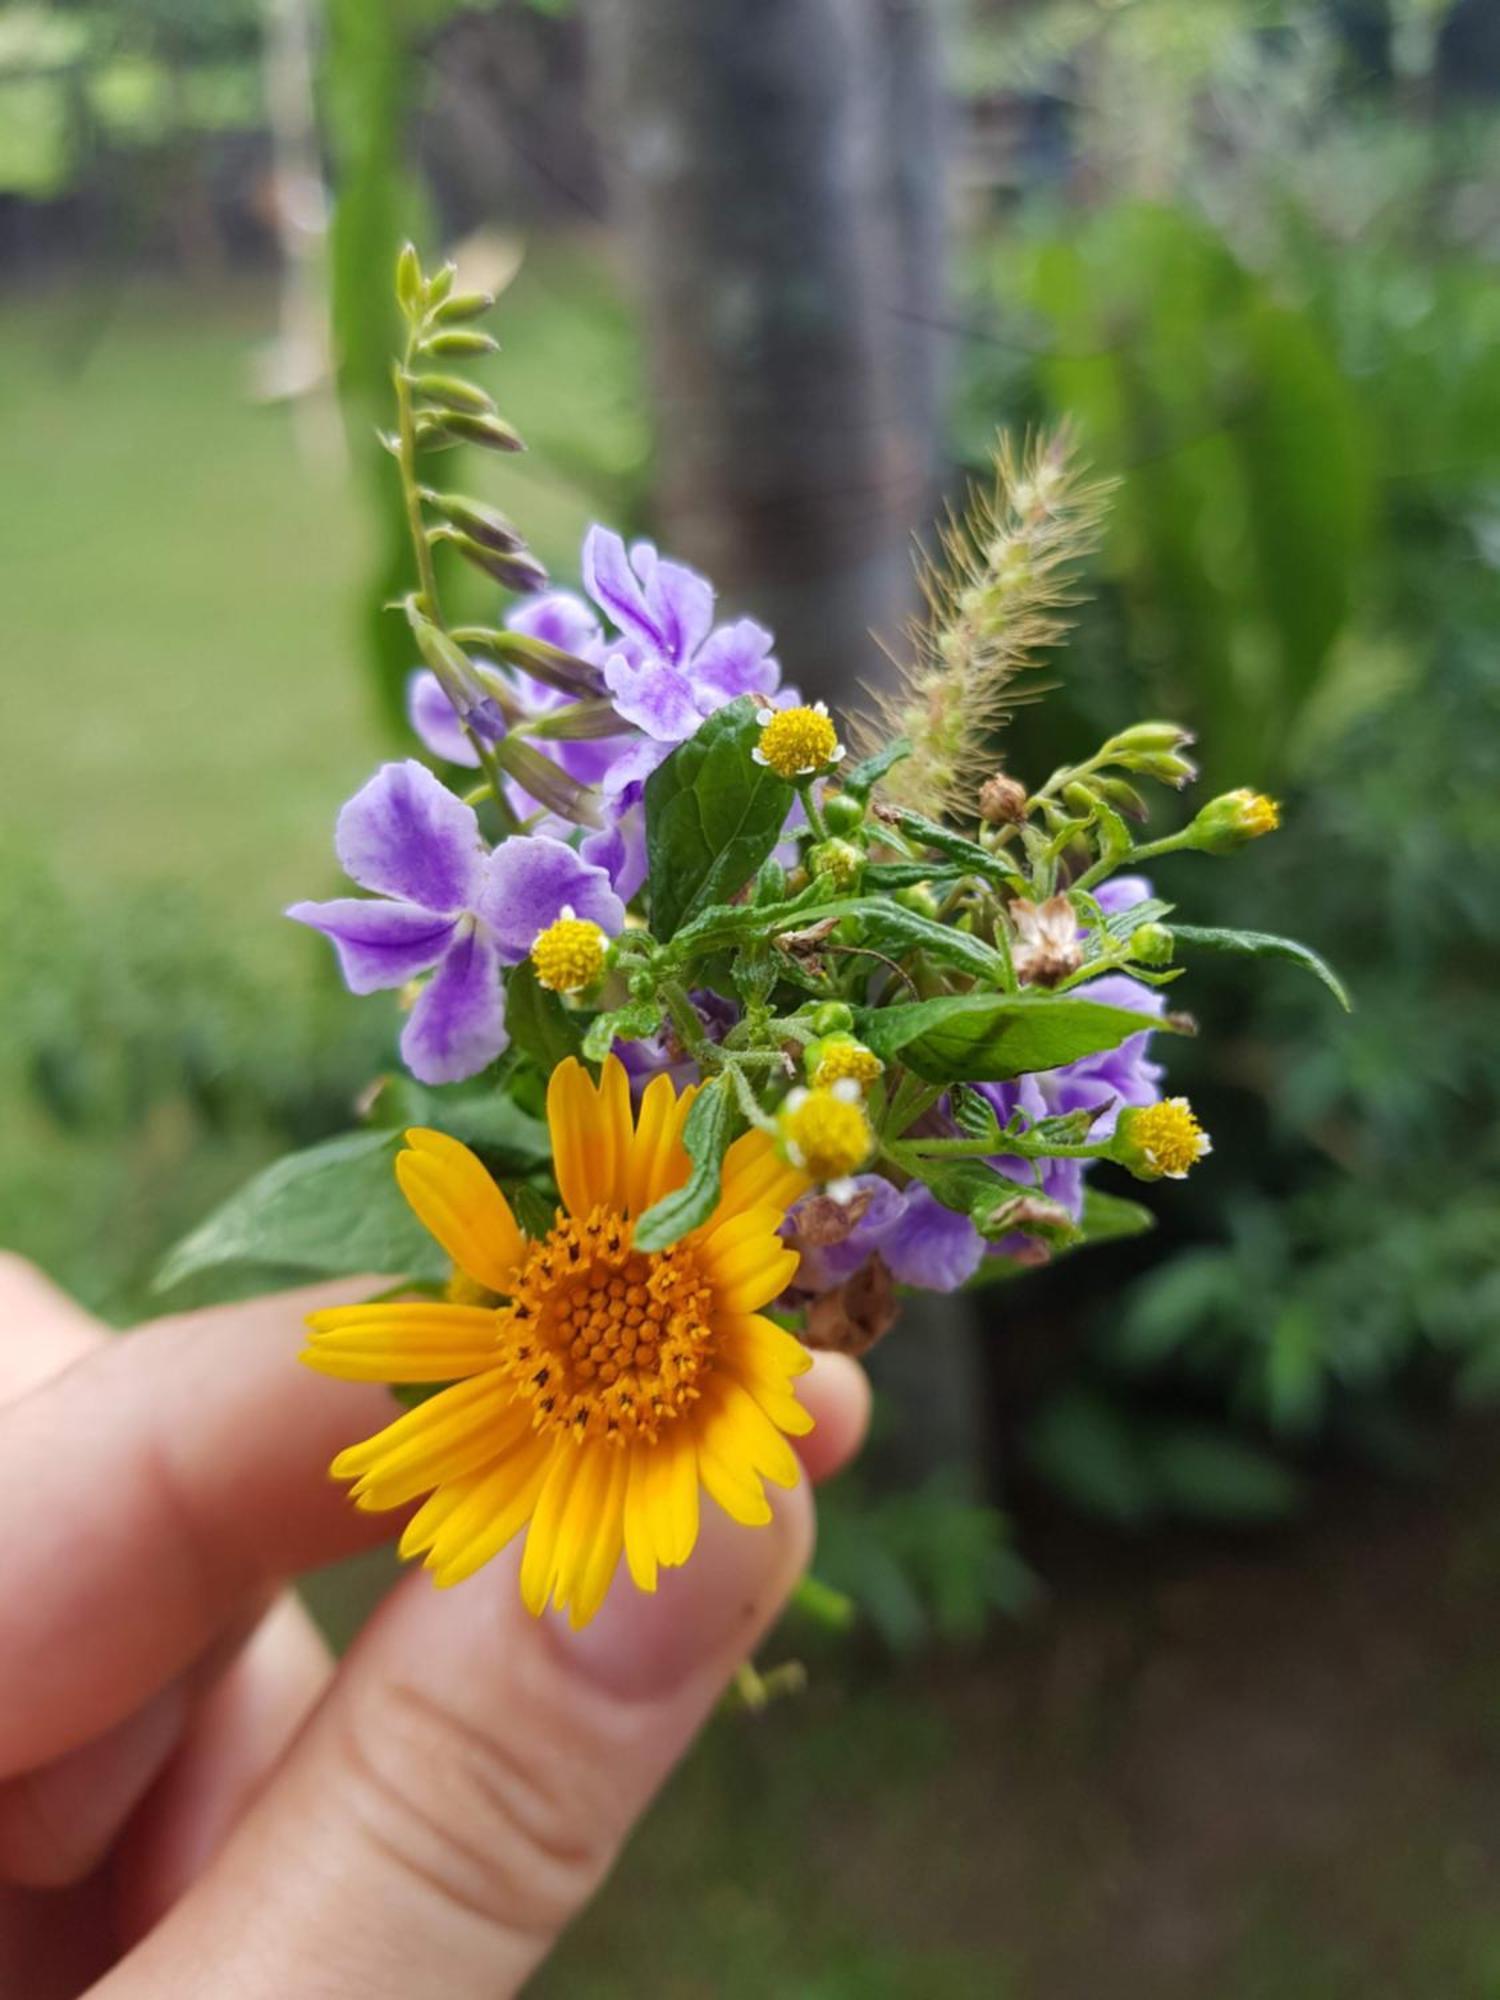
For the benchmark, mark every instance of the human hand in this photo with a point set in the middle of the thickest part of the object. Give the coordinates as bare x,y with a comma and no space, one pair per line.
192,1799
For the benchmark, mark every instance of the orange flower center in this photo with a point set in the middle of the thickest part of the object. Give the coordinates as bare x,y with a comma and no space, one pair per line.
607,1341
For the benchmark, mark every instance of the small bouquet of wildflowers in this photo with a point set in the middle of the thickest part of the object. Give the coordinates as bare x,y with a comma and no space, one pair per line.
717,1037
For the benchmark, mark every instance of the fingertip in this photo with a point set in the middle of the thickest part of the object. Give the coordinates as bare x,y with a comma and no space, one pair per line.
836,1393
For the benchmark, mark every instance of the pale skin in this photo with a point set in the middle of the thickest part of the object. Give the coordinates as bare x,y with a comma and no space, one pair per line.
193,1798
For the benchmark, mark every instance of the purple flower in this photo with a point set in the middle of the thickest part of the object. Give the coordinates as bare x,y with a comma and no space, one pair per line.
935,1248
923,1243
1123,893
441,902
670,666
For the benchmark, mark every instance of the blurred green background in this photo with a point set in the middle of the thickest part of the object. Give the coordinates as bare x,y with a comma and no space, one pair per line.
1178,1624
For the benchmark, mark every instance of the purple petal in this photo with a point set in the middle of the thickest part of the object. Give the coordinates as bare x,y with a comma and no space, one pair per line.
931,1246
652,695
405,835
431,716
614,586
457,1027
734,660
528,883
379,944
620,850
681,602
1123,893
625,780
558,617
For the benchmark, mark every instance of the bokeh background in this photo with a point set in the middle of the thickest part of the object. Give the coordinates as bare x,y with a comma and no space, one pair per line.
1176,1569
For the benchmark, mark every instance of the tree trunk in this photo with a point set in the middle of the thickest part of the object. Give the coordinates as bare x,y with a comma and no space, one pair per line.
778,173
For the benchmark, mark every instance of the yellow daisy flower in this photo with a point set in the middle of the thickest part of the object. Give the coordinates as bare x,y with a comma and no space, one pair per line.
598,1387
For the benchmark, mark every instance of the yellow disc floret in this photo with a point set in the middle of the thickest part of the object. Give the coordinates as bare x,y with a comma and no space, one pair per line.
1261,815
840,1056
1162,1140
796,742
825,1131
569,954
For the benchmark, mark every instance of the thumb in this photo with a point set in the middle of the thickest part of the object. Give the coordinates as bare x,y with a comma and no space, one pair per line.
468,1781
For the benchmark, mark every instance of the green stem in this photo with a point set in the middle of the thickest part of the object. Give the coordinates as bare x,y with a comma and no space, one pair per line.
1018,1144
1170,843
811,807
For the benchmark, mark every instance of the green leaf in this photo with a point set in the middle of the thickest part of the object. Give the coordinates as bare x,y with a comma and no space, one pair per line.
330,1211
707,1133
1262,944
1107,1218
969,1186
862,779
990,1036
893,929
630,1023
537,1021
712,816
482,1115
967,853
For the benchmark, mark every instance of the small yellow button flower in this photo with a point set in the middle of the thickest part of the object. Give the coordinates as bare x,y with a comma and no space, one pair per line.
1161,1141
826,1133
796,742
1228,822
569,954
838,1057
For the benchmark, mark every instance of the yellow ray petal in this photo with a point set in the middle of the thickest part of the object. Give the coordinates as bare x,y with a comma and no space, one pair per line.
658,1160
584,1515
639,1529
592,1134
453,1433
756,1176
539,1563
744,1436
754,1365
494,1513
737,1491
455,1198
673,1493
402,1341
593,1577
746,1262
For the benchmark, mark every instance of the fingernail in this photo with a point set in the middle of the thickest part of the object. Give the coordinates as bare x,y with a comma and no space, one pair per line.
701,1619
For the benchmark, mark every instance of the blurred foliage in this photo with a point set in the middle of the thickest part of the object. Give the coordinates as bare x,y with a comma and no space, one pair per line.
1278,335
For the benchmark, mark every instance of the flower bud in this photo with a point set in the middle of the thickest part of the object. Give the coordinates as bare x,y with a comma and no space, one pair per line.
1152,944
770,883
1002,801
842,813
832,1017
919,899
1146,738
1124,798
839,862
1232,819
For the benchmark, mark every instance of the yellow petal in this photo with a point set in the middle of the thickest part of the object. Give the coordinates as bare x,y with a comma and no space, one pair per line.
539,1563
495,1511
658,1159
673,1493
755,1364
584,1517
453,1433
756,1176
455,1198
746,1262
403,1341
744,1435
639,1529
606,1533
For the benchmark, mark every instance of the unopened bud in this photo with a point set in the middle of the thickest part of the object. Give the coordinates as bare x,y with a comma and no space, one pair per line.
1143,738
1002,801
1152,944
839,862
1229,821
1124,798
843,813
770,883
1081,800
832,1017
919,899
